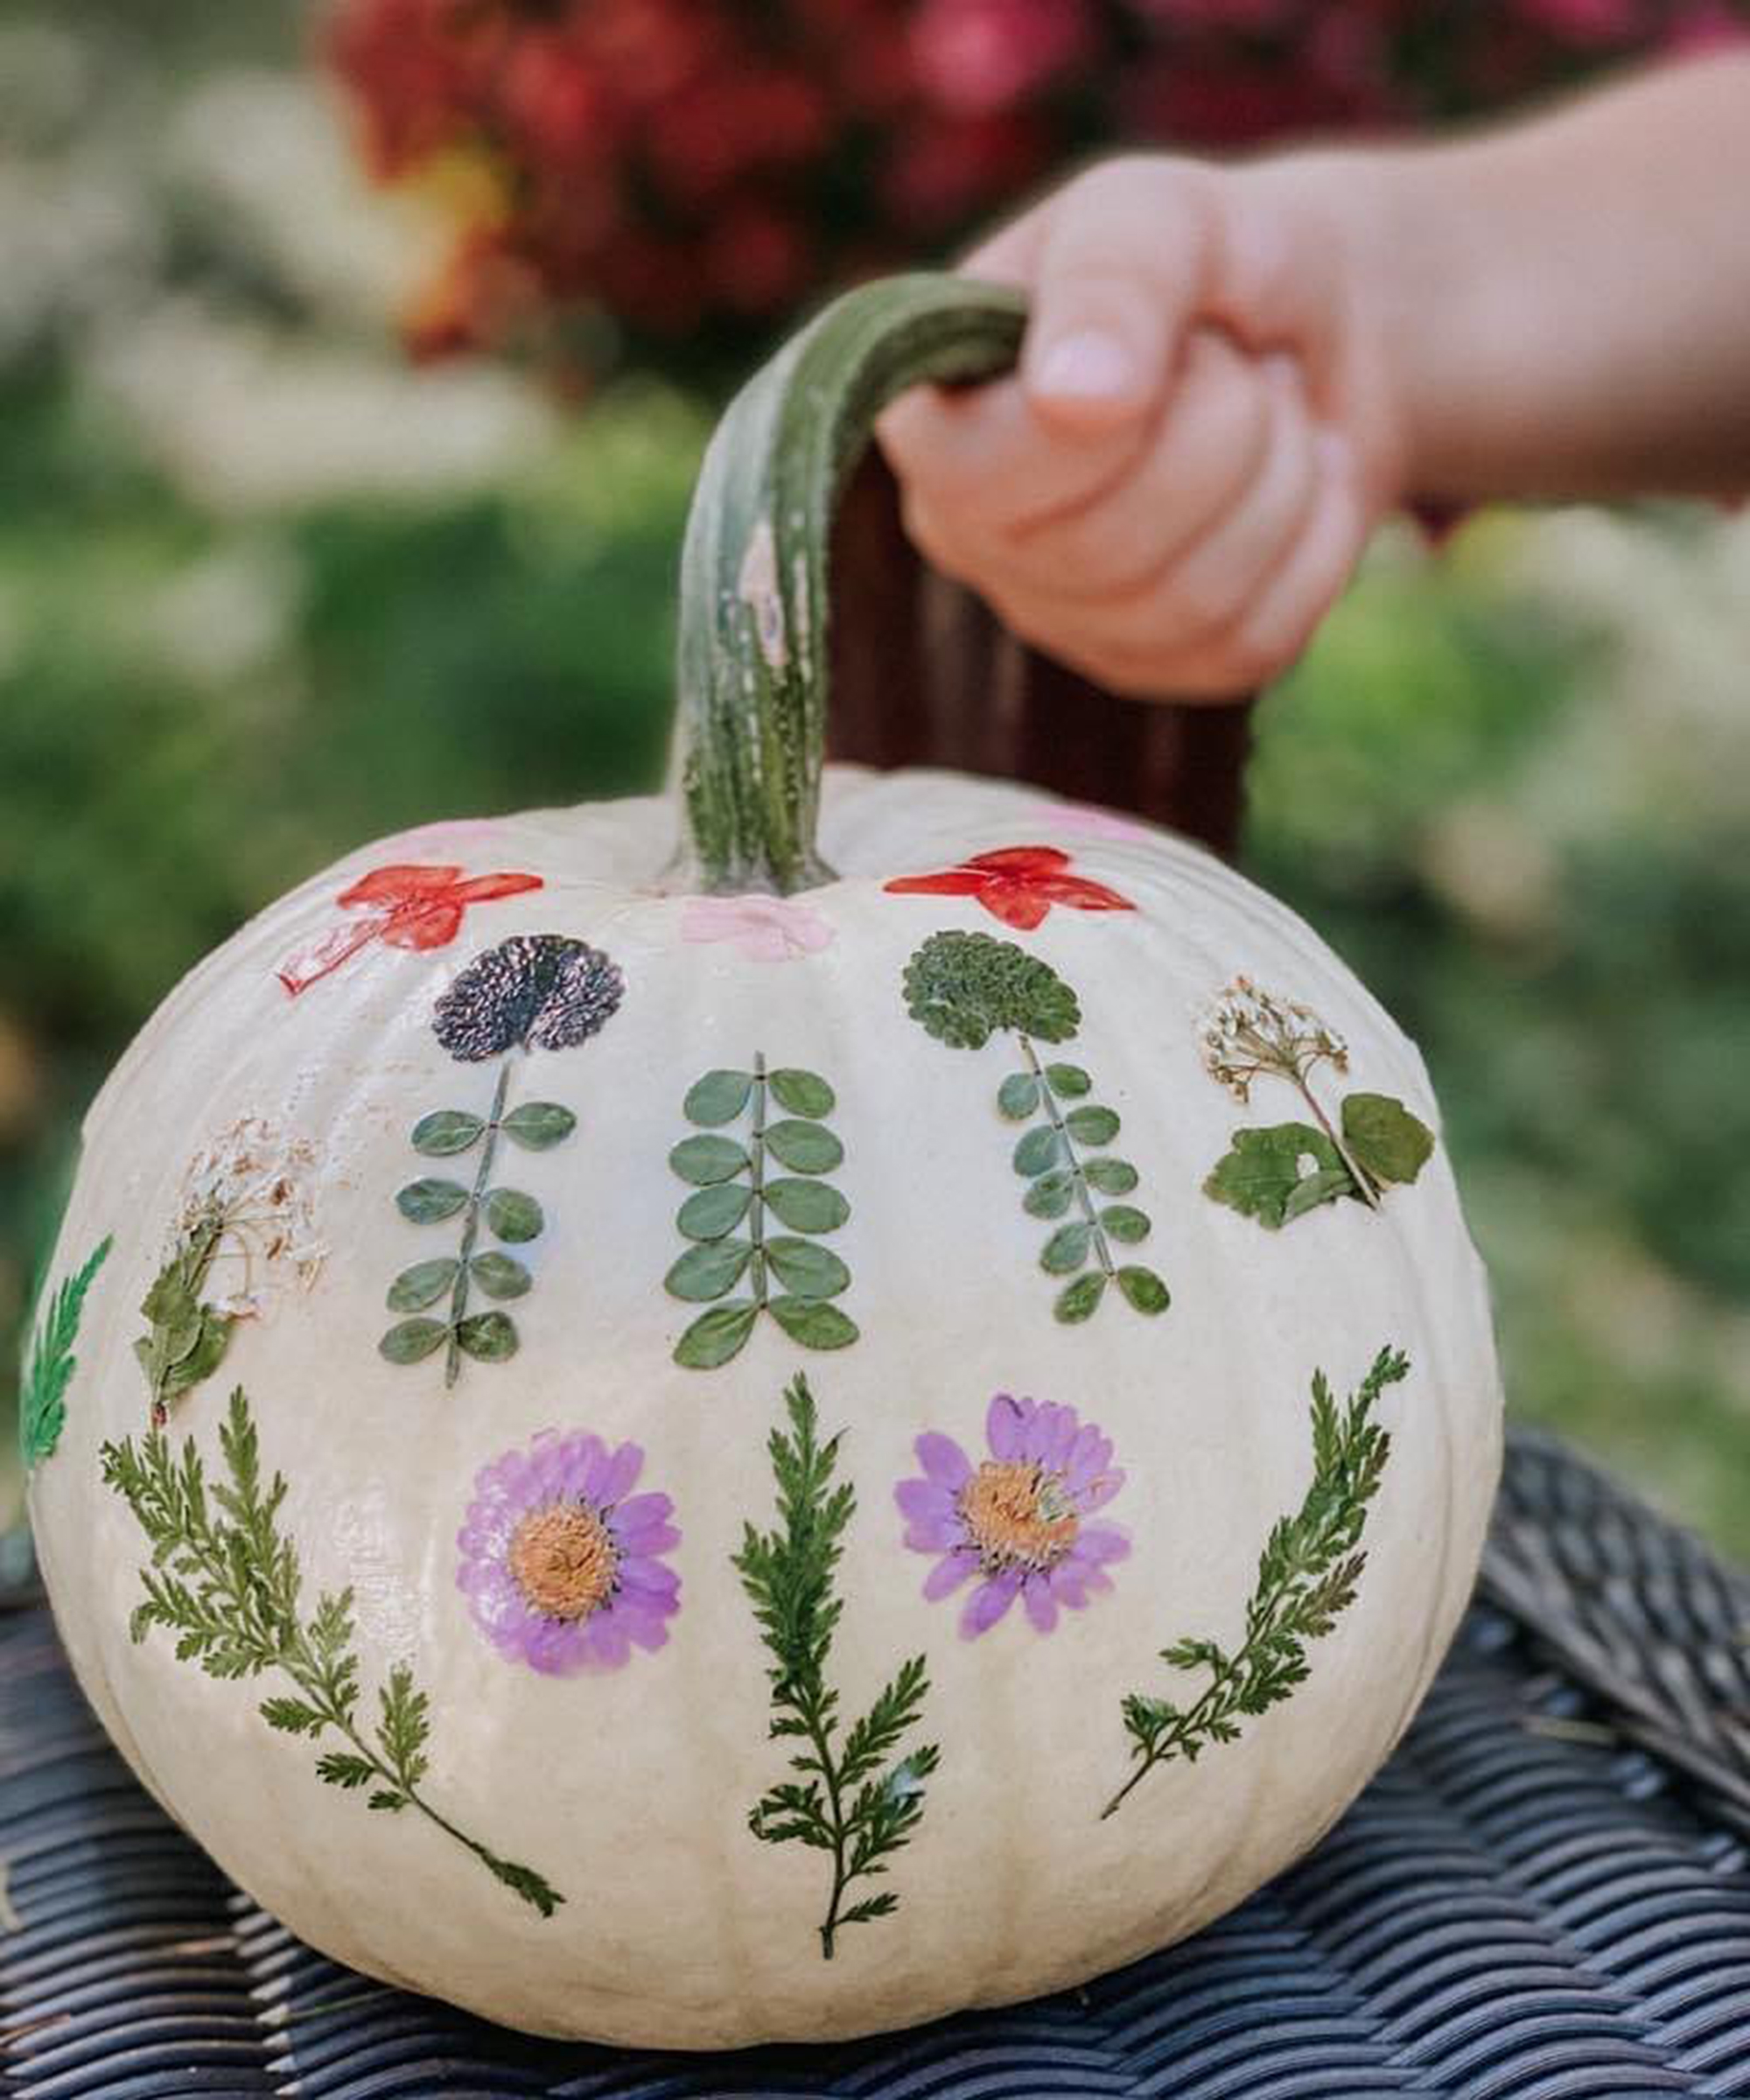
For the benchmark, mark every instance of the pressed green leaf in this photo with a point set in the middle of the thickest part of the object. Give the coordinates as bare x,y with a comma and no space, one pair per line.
1145,1290
1092,1126
961,986
717,1335
499,1275
709,1269
710,1213
1037,1151
423,1285
1389,1142
489,1337
1324,1186
1051,1195
1067,1249
806,1206
718,1097
512,1215
1068,1082
705,1160
538,1125
1109,1176
1264,1166
1125,1221
428,1200
807,1269
813,1322
292,1717
805,1148
801,1093
1018,1096
42,1397
1082,1300
211,1337
447,1130
414,1339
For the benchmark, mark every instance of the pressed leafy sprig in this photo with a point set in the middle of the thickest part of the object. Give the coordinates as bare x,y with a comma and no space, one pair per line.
738,1201
848,1799
509,1215
962,988
1278,1173
42,1400
186,1340
1307,1576
225,1580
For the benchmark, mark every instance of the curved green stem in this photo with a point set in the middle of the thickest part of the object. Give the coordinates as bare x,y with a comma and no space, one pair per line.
471,1224
753,662
1102,1250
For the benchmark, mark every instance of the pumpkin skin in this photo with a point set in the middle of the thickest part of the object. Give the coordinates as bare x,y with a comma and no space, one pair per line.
628,1788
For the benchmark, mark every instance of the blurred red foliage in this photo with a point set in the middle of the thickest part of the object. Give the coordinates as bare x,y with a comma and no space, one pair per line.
674,176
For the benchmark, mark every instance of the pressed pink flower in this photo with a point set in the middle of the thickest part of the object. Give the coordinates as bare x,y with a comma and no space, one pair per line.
561,1564
1018,1520
765,929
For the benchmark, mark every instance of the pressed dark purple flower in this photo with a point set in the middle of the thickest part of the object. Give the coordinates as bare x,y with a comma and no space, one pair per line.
545,991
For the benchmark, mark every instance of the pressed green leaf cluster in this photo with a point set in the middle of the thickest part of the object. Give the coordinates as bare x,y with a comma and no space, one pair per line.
1307,1578
853,1798
185,1341
224,1580
1062,1181
963,988
509,1215
42,1398
760,1206
1278,1171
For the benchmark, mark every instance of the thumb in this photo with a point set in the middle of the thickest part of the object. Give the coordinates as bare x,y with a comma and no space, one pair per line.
1117,279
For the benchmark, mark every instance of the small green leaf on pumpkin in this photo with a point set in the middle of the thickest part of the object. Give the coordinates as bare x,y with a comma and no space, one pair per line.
384,1798
1051,1195
1145,1290
706,1160
414,1340
707,1271
1388,1142
427,1201
292,1717
807,1269
1067,1249
813,1323
538,1125
423,1285
1068,1082
718,1097
801,1093
717,1335
1038,1152
499,1275
1264,1168
341,1769
487,1337
212,1335
805,1148
1018,1096
1109,1176
1082,1300
1092,1126
961,986
1125,1221
446,1131
512,1215
1324,1186
806,1206
710,1213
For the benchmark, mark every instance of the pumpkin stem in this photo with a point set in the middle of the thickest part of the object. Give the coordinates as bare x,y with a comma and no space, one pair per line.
752,658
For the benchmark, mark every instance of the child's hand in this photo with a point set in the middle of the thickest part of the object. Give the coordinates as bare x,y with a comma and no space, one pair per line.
1175,487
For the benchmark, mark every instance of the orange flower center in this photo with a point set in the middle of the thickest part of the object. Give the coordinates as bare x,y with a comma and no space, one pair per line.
1019,1515
563,1561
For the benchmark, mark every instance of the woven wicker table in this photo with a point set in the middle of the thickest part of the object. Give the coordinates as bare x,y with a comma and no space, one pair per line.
1544,1896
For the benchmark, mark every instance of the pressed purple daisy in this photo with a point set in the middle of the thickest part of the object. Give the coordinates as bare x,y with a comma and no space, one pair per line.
1018,1520
561,1563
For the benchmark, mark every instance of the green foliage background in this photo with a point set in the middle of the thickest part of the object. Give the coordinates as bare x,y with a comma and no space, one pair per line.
263,593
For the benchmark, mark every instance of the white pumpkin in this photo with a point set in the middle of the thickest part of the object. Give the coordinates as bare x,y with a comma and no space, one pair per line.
470,1219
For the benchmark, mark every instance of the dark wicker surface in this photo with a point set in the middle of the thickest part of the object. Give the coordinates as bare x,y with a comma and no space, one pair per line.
1544,1896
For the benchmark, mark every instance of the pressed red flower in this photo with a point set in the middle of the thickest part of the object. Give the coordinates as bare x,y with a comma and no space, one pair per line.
408,907
1017,884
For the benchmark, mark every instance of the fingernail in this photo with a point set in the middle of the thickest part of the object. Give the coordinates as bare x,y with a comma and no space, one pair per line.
1087,366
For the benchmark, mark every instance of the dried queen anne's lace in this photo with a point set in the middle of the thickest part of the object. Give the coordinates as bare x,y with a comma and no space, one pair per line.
1246,1032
